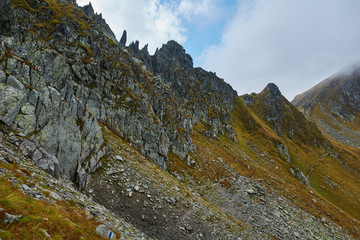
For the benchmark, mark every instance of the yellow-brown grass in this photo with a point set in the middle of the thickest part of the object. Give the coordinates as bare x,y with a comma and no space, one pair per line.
62,220
255,156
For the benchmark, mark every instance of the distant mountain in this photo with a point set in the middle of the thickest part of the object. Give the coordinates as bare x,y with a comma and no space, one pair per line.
282,116
335,105
162,150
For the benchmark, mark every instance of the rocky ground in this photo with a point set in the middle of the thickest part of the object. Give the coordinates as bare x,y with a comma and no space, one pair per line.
345,135
140,197
155,201
164,206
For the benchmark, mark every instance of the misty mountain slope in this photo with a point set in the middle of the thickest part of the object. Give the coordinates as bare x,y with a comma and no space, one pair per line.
334,105
169,148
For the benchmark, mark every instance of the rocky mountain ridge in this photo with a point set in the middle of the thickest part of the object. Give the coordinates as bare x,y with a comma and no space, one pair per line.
87,108
76,73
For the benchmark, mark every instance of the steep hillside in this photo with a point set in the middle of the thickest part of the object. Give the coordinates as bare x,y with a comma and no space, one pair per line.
166,150
313,159
335,105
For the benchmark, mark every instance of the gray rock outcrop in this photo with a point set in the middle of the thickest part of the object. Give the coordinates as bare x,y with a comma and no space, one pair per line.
40,157
275,107
56,91
103,26
123,38
299,175
89,10
105,232
9,218
40,103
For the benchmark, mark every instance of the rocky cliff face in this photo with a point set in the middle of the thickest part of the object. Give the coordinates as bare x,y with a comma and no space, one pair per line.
58,81
38,96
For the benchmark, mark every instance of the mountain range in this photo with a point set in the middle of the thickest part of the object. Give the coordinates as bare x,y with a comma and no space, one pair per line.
100,139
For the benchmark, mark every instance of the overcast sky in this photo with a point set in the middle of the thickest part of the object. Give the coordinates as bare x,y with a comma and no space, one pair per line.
249,43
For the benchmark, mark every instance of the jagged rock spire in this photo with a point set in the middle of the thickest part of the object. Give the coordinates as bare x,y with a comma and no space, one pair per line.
171,53
145,48
89,10
123,38
135,46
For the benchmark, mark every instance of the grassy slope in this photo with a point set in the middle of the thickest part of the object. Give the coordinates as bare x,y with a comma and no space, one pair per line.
345,171
333,121
333,171
255,155
63,220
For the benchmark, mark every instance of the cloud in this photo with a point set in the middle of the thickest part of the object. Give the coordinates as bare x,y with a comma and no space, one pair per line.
206,10
153,21
146,20
294,44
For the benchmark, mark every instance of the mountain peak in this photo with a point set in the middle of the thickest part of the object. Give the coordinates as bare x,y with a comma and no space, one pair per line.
172,53
123,38
273,89
89,10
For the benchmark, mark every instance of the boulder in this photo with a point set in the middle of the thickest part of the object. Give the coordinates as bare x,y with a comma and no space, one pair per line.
105,232
9,219
119,158
299,176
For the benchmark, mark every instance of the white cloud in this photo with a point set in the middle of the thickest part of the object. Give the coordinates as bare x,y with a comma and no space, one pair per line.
148,21
152,21
200,8
292,43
